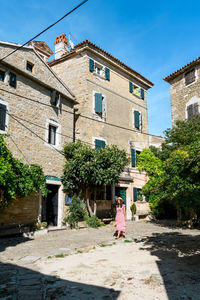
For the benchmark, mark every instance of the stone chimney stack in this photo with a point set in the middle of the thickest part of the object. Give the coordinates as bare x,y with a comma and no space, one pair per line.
61,45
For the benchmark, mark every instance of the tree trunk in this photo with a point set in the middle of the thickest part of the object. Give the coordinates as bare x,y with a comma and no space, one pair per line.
92,213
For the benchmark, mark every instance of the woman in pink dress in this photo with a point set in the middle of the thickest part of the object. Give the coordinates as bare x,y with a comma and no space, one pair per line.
120,218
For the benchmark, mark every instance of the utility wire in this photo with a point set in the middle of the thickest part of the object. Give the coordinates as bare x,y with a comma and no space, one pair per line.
83,2
80,115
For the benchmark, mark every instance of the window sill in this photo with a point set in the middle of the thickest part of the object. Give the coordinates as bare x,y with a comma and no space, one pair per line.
57,147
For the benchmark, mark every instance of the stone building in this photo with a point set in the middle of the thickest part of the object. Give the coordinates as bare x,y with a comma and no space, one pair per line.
37,111
185,91
112,108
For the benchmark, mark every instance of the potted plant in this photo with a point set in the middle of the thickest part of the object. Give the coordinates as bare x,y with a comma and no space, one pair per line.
133,210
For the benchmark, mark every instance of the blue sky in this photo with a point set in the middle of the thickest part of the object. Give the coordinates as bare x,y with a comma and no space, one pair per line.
153,37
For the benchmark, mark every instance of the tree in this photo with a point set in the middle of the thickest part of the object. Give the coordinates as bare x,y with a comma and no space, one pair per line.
86,169
174,171
16,178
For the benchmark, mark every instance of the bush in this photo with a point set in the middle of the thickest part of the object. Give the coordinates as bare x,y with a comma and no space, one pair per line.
77,211
93,221
133,208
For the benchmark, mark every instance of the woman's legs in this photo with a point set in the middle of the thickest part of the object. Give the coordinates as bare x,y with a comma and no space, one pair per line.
118,234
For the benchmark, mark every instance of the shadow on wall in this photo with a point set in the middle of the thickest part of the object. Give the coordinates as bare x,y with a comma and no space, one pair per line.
179,263
21,283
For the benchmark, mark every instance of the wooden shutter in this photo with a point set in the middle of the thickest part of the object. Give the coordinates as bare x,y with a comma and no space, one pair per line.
99,144
13,80
107,74
136,119
142,94
133,159
190,76
135,194
190,111
98,103
2,117
91,65
130,87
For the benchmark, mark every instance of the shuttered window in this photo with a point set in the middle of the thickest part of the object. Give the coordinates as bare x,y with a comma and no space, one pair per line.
190,76
99,144
135,194
192,110
2,75
142,93
137,119
3,117
98,103
133,157
13,80
107,74
91,65
130,87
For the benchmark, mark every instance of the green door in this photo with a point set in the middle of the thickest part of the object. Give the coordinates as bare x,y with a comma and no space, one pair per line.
121,192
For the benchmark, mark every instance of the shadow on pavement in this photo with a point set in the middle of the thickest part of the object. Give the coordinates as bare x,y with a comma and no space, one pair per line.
12,241
21,283
178,262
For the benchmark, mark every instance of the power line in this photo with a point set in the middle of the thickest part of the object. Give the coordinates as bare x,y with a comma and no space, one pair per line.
80,115
19,149
83,2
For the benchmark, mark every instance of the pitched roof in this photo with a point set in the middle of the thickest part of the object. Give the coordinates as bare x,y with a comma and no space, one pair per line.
42,46
87,44
182,70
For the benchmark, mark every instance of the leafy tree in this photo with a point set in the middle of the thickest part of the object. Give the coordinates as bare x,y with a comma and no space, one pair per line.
16,178
87,169
174,171
77,211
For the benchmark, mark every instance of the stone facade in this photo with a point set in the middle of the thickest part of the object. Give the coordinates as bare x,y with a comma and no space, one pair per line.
115,124
184,94
30,112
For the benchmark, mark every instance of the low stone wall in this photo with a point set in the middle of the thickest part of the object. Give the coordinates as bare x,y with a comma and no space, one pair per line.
20,213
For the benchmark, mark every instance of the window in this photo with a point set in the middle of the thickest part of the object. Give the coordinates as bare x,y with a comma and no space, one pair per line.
137,195
100,105
2,75
3,116
100,70
192,110
134,154
52,135
190,76
13,80
29,66
68,200
136,90
99,144
55,99
137,116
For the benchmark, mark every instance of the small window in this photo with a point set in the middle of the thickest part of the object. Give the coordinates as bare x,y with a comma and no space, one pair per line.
13,80
190,76
100,105
29,67
134,154
55,99
68,200
99,144
2,75
192,110
137,195
52,134
3,109
136,90
99,69
137,119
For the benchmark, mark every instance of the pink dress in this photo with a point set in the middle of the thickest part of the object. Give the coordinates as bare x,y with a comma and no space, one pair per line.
120,219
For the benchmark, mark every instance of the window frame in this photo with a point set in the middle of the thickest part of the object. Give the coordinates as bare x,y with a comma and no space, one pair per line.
54,123
131,90
192,101
2,71
3,102
31,65
195,74
102,73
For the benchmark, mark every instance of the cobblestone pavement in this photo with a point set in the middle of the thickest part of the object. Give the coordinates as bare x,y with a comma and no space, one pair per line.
21,260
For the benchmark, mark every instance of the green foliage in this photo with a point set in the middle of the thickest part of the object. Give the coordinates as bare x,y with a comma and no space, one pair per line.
16,178
93,221
77,211
174,171
133,208
86,166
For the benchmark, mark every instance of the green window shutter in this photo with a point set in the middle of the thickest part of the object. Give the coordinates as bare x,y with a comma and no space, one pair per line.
137,119
2,117
91,65
98,103
142,94
99,144
133,160
13,80
147,198
107,74
135,194
130,87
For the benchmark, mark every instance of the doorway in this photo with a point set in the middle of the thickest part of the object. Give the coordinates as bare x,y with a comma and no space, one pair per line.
50,206
121,192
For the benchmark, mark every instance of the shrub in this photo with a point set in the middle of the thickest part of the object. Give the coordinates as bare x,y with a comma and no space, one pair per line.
93,221
77,211
133,208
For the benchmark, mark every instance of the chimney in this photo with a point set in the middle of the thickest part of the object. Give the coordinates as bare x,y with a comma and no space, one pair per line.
61,45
